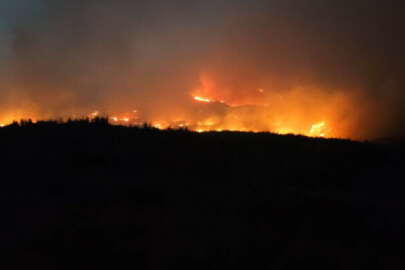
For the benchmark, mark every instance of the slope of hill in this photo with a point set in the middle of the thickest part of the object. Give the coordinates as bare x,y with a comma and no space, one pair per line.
86,194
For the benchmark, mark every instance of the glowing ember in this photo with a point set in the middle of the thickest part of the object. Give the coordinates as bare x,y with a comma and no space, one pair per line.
161,125
94,114
201,99
128,118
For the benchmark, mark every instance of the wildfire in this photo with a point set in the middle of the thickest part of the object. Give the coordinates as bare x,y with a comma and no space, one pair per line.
125,118
201,99
283,131
279,118
215,123
158,125
319,130
212,123
94,114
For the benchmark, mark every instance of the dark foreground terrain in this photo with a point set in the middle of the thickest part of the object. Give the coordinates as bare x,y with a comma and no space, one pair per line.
84,195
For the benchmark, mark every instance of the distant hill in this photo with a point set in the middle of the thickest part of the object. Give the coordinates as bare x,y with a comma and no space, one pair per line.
86,194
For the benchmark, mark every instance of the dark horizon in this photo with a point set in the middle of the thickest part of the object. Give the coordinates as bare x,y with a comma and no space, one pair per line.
87,194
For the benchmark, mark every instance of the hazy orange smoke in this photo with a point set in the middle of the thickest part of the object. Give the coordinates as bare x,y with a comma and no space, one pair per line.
304,110
302,67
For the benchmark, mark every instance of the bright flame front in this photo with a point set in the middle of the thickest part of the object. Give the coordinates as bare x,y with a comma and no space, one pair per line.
307,112
201,99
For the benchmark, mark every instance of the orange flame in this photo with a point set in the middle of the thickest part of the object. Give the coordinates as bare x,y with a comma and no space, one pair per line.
214,124
319,130
201,99
296,111
94,114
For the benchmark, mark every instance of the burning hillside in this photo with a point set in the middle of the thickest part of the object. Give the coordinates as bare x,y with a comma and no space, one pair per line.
307,111
283,115
234,65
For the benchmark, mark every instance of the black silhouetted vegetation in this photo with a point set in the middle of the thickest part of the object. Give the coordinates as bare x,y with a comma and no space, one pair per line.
83,194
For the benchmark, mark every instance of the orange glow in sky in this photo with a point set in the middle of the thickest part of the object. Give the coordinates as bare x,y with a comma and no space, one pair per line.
305,111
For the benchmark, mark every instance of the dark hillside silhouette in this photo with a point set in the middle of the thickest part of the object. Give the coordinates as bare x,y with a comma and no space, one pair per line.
84,194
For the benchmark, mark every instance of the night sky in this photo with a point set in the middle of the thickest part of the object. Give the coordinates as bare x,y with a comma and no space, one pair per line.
342,60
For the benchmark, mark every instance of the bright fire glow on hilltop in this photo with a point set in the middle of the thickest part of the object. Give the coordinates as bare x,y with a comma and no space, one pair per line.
234,120
308,112
320,130
201,99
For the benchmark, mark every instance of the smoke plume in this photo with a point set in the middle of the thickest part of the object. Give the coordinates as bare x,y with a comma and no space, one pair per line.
279,65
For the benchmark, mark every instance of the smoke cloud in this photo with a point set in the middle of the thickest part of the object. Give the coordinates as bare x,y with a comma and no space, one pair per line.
271,65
